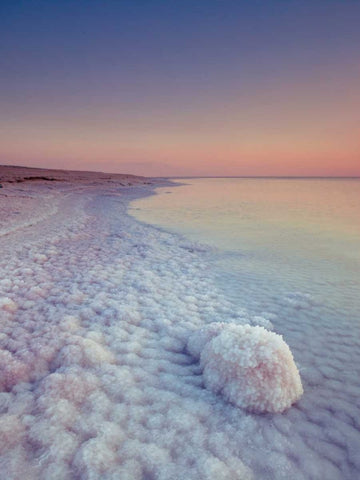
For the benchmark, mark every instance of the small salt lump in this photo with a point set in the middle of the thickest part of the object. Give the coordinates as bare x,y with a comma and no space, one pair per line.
249,366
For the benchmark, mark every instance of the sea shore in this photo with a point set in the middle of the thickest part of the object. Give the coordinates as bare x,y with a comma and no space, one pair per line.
96,309
97,378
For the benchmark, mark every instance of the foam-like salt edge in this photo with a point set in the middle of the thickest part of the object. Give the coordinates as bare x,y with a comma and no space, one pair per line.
97,381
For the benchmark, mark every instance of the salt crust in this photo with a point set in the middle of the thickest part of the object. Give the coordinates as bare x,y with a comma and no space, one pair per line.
94,380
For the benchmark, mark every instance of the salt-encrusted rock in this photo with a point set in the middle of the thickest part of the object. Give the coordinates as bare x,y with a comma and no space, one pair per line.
249,366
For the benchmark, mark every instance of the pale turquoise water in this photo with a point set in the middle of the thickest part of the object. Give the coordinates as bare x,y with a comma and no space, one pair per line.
288,250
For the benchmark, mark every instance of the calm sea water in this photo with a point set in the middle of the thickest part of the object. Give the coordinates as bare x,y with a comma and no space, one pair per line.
288,250
298,235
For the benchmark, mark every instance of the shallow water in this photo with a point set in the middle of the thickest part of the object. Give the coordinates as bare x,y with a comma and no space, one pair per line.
288,251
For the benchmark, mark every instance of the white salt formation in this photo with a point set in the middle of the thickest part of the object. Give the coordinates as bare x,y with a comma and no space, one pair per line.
249,366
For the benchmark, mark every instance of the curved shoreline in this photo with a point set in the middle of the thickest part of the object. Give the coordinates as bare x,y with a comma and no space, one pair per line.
92,350
96,309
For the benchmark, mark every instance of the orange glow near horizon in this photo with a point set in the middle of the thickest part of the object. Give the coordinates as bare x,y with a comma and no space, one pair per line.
280,114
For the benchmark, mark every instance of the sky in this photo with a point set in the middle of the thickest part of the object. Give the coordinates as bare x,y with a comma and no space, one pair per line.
182,88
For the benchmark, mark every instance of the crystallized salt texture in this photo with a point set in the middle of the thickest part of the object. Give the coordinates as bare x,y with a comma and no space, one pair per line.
7,304
202,336
249,366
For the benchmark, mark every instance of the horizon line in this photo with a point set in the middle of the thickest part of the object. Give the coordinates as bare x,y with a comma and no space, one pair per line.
288,177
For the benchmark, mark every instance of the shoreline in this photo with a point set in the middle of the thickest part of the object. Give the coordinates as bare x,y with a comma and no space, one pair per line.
30,195
96,309
96,378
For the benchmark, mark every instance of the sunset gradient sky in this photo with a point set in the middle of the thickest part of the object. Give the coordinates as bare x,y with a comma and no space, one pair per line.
177,88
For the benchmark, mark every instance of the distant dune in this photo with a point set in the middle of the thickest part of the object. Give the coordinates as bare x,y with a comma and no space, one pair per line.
18,174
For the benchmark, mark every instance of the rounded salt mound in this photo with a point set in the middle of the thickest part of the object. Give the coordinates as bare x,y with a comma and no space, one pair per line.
250,367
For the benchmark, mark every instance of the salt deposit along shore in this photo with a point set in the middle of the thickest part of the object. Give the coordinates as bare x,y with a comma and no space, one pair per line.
109,368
